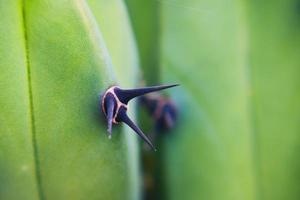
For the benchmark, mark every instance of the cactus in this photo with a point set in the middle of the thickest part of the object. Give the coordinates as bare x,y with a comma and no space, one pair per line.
236,133
56,57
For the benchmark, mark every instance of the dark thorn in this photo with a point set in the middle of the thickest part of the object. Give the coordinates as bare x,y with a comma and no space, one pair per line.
110,104
127,95
152,135
122,116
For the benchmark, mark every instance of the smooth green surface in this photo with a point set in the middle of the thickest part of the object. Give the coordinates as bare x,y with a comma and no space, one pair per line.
69,65
77,161
112,17
113,20
146,25
210,155
238,65
17,177
275,63
246,91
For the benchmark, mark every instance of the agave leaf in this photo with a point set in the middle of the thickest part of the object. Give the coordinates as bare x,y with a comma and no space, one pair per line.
145,17
209,155
203,48
16,148
238,65
57,129
275,66
240,88
113,19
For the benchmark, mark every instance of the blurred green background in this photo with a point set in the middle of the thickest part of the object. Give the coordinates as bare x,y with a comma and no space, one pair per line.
238,132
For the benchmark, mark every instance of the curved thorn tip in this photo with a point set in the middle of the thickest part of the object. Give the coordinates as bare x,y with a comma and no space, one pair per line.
124,117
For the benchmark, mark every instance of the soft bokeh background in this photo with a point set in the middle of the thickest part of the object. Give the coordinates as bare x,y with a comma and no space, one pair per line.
238,132
238,63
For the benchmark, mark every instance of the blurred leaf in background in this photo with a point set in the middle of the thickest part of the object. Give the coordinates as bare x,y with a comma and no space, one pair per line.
204,48
274,49
238,65
145,20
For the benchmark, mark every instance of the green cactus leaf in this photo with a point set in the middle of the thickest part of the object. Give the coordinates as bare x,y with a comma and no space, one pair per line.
274,48
239,132
17,163
212,145
113,20
145,16
238,65
56,64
